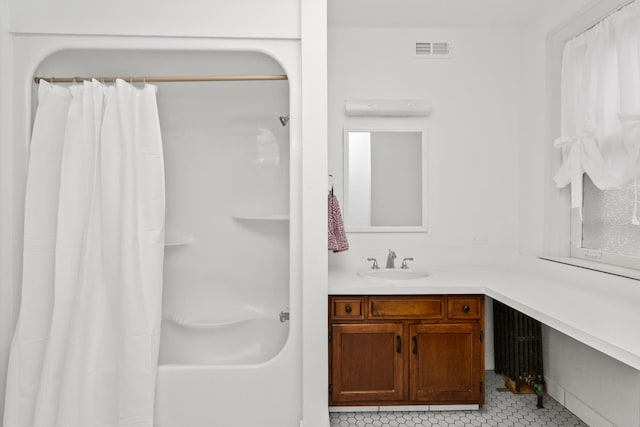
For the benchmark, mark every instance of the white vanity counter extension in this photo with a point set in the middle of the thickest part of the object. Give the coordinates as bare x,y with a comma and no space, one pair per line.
599,310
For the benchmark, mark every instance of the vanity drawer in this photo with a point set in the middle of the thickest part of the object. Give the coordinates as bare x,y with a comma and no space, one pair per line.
464,307
347,308
406,307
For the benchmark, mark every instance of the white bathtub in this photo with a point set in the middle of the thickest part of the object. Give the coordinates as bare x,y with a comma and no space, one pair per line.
227,374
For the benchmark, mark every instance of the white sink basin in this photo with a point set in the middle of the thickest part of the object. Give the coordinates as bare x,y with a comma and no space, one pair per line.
393,274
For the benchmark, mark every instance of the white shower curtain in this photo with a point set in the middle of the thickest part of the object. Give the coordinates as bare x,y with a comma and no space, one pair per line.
85,349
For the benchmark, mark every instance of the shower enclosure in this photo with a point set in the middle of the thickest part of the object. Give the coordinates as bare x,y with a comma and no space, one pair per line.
230,341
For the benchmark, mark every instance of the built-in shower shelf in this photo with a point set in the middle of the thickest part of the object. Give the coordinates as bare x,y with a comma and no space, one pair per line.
173,241
273,217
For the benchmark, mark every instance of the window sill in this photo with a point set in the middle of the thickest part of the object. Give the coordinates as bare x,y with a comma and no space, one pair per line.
629,273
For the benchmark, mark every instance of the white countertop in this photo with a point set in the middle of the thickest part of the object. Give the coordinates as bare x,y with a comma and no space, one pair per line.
599,310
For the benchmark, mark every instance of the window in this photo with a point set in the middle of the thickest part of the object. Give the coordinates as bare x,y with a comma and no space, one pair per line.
605,233
600,138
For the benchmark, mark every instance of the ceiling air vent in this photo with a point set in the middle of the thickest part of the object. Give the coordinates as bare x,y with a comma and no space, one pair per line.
433,50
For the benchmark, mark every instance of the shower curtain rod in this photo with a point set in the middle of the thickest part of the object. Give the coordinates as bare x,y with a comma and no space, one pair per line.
165,79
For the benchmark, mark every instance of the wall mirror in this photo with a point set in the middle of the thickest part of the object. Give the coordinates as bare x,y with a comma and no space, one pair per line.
385,180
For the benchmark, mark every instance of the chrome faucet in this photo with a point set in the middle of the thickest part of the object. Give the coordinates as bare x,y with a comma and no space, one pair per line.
390,259
404,265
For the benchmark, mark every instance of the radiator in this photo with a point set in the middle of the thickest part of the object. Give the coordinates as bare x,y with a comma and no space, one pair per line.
518,348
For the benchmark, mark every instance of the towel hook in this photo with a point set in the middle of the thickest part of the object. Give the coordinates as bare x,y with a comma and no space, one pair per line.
331,183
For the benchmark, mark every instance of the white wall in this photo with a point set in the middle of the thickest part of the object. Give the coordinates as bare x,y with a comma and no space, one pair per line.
472,136
595,387
534,176
599,389
472,139
237,18
315,363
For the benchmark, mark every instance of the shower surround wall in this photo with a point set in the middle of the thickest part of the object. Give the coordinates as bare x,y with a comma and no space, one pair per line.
227,256
33,29
233,212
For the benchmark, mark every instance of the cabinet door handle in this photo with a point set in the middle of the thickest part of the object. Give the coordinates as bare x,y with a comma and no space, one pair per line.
348,309
399,344
465,308
415,345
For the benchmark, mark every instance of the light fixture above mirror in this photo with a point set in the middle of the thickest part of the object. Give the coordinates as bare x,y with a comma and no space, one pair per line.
388,107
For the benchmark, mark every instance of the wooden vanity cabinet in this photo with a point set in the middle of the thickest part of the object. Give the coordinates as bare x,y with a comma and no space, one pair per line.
403,350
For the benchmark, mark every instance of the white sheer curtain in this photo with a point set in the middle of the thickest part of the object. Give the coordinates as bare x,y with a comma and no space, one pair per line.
84,353
600,120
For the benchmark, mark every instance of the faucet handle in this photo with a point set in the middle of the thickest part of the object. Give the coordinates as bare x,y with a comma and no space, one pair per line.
375,263
404,262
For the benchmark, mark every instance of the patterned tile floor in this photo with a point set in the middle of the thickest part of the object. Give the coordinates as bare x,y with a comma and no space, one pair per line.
500,409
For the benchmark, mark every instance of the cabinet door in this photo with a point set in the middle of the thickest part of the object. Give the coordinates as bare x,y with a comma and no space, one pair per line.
367,362
446,363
